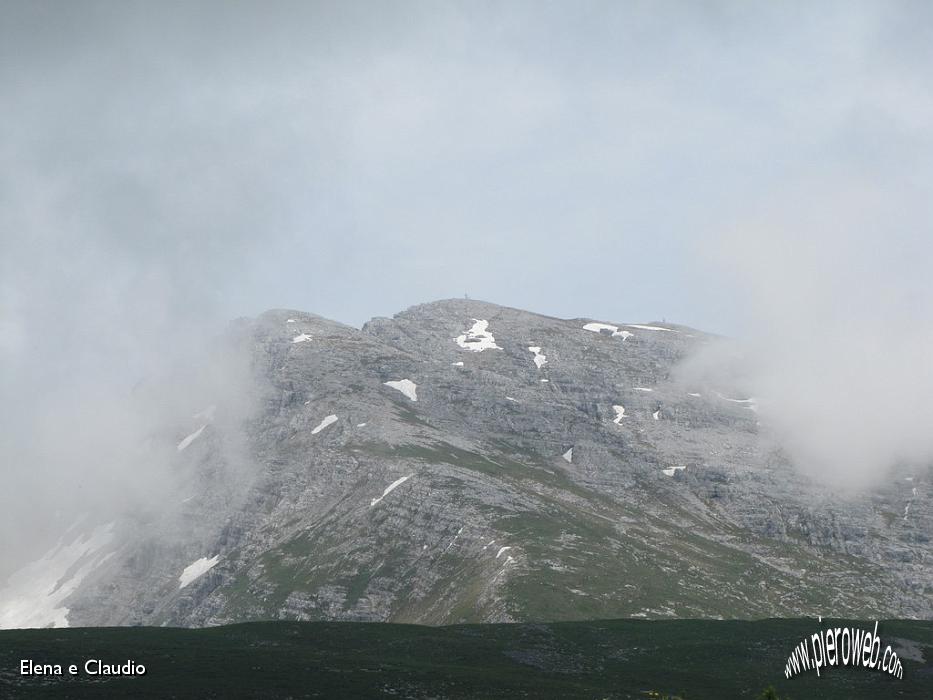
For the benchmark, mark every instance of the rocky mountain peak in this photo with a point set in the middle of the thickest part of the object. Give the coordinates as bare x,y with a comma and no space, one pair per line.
464,461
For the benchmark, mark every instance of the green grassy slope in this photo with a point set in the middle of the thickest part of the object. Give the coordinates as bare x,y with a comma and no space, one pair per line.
602,659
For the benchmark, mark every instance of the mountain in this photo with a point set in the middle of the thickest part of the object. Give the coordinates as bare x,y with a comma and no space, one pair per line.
467,462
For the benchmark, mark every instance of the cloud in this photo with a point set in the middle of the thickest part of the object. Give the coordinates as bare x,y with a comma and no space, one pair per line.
832,277
168,167
271,156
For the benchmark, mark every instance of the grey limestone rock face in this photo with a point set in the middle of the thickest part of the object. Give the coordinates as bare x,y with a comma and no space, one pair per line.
530,468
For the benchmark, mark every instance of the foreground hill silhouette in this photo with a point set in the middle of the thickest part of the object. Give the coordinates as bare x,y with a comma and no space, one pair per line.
602,659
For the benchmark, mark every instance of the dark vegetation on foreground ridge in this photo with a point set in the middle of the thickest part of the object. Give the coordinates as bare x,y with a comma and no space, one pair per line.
690,659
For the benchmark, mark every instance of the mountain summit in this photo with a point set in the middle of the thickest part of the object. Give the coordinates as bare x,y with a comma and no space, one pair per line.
467,462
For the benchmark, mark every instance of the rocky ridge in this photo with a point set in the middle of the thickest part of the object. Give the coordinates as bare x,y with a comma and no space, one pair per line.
467,462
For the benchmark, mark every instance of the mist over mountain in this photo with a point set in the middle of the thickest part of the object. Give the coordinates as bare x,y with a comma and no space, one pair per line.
762,174
464,461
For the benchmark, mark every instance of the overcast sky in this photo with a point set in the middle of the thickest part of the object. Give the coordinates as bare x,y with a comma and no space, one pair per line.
353,158
761,170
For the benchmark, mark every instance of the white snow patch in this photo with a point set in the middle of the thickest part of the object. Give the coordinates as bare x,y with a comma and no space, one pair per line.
906,510
478,338
489,544
545,381
291,320
696,395
599,327
33,595
751,404
196,569
670,471
324,423
390,488
406,386
620,414
191,438
657,414
457,364
539,359
301,338
641,388
509,398
501,550
361,425
568,456
650,328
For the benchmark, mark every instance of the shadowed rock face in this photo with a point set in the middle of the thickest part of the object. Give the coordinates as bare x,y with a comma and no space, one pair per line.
511,489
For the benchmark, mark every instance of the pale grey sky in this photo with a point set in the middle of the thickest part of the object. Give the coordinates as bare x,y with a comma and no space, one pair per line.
354,158
760,169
